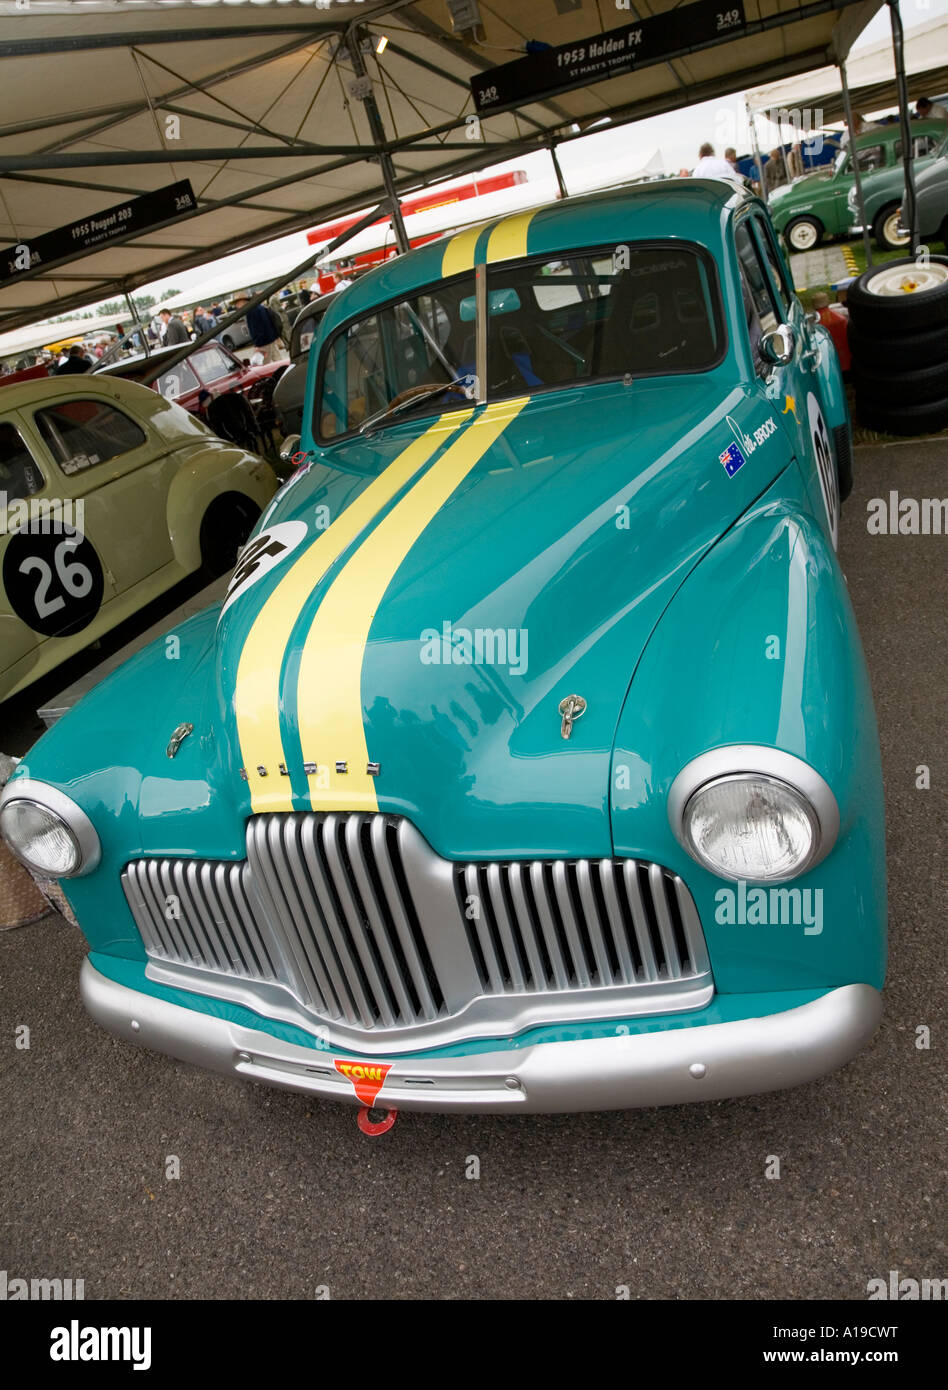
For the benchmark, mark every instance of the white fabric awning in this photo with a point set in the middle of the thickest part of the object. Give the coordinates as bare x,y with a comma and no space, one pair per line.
255,104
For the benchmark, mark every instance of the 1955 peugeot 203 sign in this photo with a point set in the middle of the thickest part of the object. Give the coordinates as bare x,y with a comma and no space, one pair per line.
530,763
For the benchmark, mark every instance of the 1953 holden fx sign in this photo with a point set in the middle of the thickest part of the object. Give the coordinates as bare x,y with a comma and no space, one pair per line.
530,763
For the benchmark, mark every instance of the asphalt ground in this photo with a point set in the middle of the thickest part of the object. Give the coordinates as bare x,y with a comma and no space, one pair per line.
280,1196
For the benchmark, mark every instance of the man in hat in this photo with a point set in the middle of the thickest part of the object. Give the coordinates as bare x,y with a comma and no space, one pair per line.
263,326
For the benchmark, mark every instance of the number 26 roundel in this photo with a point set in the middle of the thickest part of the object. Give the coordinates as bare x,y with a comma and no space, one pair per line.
53,582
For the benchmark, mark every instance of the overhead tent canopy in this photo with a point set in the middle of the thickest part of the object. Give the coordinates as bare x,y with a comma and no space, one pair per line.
872,84
255,106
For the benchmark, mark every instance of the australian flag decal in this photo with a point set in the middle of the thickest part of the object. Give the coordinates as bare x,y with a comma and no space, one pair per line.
732,458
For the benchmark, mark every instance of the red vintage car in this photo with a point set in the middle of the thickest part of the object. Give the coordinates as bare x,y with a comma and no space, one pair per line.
209,371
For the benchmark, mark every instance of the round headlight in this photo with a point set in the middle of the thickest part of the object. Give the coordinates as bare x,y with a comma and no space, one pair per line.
751,827
40,838
747,811
46,830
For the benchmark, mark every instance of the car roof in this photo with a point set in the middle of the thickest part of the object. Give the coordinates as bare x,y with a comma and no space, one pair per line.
116,368
43,390
892,130
687,209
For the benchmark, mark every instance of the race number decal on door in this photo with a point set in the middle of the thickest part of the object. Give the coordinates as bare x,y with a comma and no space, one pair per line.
829,483
54,583
260,555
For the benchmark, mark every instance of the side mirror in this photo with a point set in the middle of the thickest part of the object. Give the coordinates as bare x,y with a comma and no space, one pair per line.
289,447
776,347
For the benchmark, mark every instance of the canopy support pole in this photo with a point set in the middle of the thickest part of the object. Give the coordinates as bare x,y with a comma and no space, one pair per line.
752,122
186,349
135,319
909,214
363,84
857,177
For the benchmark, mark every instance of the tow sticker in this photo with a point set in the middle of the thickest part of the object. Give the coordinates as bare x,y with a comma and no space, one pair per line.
261,555
367,1078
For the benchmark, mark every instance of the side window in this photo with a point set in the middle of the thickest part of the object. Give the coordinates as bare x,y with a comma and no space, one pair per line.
759,307
765,241
211,363
870,157
176,382
81,434
924,144
19,475
399,353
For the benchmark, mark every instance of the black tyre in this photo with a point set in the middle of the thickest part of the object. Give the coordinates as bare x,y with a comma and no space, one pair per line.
885,229
878,305
803,233
226,526
898,388
925,418
879,352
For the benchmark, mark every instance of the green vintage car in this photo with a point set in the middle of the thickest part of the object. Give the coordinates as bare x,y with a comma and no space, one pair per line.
817,206
530,762
882,193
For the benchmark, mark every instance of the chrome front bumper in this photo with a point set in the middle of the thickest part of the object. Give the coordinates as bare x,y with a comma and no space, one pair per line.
704,1062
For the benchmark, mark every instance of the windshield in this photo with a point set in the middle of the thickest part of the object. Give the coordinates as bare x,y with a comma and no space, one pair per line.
840,162
390,357
637,309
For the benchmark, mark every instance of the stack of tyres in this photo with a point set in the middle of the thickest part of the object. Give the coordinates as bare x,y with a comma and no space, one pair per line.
898,337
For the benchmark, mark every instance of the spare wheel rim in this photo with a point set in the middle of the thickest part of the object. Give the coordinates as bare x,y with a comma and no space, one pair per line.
903,280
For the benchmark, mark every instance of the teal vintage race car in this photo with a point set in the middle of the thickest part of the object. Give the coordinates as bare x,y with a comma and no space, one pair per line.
530,762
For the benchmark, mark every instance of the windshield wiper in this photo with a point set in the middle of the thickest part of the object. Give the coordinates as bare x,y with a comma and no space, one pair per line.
466,384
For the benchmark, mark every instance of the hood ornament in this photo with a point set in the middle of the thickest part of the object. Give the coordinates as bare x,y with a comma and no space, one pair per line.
178,737
573,707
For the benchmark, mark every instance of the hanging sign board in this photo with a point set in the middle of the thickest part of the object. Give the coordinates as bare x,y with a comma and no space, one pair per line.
569,65
98,229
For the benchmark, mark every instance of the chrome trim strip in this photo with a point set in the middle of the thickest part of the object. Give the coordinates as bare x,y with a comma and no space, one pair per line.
704,1062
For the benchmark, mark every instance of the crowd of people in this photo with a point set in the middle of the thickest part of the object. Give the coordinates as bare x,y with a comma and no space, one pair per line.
784,165
268,327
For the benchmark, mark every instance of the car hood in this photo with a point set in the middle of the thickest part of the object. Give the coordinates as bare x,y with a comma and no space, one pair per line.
422,600
801,186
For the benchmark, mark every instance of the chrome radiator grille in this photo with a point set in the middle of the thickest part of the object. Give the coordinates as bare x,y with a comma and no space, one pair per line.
580,924
354,920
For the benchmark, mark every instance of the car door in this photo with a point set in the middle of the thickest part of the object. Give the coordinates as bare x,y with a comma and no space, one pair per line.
52,580
121,469
792,386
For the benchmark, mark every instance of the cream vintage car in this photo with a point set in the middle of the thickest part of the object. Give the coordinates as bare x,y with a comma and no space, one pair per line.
109,495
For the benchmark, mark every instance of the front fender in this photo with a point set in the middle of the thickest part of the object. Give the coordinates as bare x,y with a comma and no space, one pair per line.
760,646
211,471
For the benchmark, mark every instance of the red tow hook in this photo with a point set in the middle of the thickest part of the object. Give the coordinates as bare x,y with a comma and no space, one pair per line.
367,1080
374,1127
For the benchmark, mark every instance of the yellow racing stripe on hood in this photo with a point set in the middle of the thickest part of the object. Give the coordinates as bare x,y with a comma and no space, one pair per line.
329,699
257,694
